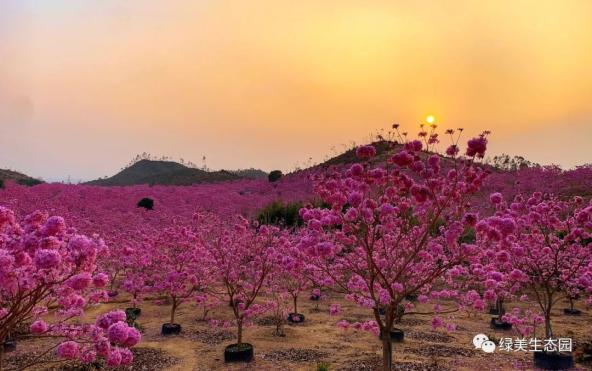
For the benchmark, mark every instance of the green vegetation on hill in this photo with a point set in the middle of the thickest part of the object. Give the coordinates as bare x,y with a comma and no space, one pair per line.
19,178
250,173
163,173
281,214
382,147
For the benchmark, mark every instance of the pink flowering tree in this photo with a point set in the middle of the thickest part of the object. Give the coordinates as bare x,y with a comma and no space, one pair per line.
279,304
493,278
178,271
44,264
206,303
547,245
108,338
138,268
393,231
243,259
292,276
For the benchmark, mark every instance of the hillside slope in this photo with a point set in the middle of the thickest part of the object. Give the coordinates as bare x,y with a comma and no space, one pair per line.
10,175
163,173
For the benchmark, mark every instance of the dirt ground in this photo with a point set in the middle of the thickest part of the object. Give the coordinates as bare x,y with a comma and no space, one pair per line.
201,347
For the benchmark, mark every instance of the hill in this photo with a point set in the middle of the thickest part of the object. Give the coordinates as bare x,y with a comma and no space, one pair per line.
250,173
10,175
383,148
520,177
163,173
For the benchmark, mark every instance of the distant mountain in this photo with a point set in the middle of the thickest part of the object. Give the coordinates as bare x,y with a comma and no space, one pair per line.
250,173
163,173
10,175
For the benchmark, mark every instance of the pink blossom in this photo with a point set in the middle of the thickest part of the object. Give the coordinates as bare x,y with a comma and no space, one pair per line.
80,281
118,332
452,150
334,309
477,147
402,159
47,259
39,327
496,198
114,358
437,322
133,337
87,355
127,356
366,152
414,145
68,350
356,170
100,280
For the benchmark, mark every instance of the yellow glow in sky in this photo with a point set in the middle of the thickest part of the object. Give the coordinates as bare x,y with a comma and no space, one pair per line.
430,119
85,85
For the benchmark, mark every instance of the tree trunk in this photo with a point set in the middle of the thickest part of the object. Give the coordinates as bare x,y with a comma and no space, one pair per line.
571,305
279,328
548,329
295,304
113,281
240,331
387,345
500,307
173,309
387,351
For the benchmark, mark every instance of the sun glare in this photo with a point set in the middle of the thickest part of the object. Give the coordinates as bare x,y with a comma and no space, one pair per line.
430,119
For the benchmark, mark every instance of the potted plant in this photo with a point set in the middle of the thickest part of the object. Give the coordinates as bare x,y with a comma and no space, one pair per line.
376,243
243,258
181,272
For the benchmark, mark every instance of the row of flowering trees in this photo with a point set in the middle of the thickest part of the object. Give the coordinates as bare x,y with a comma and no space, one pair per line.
408,227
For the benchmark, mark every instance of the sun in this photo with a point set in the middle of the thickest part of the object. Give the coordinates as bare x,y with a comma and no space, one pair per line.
430,119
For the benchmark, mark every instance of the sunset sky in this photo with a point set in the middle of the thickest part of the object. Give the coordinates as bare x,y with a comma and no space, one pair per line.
87,84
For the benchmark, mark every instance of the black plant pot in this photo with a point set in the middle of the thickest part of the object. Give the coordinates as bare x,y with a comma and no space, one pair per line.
315,297
170,329
9,345
236,353
572,312
553,361
295,317
112,294
133,313
498,324
397,335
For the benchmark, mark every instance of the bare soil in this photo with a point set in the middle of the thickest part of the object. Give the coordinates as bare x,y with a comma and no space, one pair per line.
304,346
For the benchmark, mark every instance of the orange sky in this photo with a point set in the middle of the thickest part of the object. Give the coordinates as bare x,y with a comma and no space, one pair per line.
85,85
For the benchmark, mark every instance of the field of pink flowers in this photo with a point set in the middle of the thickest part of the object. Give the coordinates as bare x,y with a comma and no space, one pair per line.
442,236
